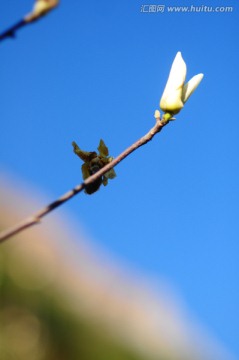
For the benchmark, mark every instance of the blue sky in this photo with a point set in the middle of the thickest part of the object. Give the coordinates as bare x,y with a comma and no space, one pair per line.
97,70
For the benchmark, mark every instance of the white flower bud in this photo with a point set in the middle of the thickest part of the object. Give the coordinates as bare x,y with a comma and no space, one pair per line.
176,92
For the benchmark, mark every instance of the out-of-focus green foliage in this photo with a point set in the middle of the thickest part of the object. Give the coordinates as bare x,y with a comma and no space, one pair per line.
37,324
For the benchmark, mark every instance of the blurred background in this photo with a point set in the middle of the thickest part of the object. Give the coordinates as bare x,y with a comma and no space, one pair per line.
147,267
62,297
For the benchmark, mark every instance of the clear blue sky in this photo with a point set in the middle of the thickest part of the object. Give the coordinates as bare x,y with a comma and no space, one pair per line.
97,70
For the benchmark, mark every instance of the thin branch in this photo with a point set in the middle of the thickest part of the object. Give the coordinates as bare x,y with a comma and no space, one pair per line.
11,32
40,9
35,218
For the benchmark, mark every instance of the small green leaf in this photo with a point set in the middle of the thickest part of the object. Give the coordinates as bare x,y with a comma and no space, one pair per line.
103,150
110,174
85,171
105,180
84,155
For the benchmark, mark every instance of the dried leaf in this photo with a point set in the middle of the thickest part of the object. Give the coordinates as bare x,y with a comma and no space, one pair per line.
93,163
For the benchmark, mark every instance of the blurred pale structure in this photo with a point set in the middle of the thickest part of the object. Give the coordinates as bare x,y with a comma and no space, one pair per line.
61,298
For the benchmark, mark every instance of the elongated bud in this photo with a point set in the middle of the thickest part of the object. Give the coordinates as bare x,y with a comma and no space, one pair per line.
171,101
41,8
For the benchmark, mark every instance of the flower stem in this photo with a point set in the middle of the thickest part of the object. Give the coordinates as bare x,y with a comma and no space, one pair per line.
36,218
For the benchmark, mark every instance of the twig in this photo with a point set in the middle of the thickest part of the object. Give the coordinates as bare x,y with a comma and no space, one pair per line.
11,32
35,218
